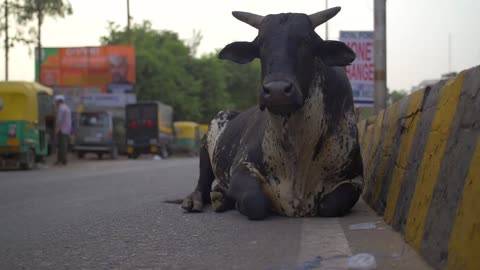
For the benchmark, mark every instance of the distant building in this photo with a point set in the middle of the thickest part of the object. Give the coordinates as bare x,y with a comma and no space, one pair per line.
426,83
449,76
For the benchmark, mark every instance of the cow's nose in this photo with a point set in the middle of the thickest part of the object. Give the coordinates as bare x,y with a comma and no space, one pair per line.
277,88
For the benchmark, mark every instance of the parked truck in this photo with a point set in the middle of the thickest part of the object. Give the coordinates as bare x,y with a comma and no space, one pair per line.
149,129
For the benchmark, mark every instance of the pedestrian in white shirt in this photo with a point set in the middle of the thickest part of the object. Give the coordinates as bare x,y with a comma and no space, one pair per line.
63,128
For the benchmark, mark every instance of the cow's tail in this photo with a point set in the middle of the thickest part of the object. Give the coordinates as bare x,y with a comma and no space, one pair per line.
174,201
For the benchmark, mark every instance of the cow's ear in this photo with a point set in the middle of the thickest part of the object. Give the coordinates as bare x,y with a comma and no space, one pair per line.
239,52
335,53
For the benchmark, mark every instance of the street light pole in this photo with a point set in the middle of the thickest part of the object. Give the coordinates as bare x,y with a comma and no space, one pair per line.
7,47
380,49
449,52
326,24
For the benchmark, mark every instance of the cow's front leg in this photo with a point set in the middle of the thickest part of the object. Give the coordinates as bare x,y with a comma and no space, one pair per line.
220,201
249,197
195,201
339,202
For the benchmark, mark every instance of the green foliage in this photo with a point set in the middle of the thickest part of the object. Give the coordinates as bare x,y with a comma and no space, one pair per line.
210,75
395,95
27,11
197,88
243,82
39,9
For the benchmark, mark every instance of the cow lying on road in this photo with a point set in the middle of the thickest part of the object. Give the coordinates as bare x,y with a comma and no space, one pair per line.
296,153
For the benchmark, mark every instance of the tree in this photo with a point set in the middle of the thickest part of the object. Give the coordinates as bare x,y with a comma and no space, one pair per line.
168,71
10,9
30,10
396,95
194,42
243,83
161,67
4,26
213,95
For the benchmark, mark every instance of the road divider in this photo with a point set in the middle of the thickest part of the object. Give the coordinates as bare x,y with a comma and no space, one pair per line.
422,169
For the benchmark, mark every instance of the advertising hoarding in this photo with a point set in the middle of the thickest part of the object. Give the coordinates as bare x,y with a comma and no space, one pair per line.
361,71
108,100
109,68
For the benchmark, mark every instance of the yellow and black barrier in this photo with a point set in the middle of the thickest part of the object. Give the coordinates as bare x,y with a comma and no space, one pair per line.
422,170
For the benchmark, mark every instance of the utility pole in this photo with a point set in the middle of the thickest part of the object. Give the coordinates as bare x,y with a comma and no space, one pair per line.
7,47
326,24
449,52
128,24
380,49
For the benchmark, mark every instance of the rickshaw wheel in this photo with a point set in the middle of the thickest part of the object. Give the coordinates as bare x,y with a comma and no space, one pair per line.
164,152
29,162
169,150
80,154
134,155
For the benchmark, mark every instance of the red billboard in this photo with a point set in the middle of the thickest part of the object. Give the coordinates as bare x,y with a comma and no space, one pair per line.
108,68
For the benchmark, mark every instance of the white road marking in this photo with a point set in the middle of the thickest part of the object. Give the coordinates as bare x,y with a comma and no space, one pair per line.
323,237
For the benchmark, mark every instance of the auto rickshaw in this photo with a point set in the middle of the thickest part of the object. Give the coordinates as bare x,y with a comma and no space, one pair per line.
203,130
27,119
149,129
188,136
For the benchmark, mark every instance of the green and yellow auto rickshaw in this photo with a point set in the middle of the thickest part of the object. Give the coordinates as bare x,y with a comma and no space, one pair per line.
187,137
203,130
27,117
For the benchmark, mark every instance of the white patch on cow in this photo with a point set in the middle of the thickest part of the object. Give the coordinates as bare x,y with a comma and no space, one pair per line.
216,129
217,126
215,183
288,147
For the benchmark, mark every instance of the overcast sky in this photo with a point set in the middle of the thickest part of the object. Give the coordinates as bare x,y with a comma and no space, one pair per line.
417,30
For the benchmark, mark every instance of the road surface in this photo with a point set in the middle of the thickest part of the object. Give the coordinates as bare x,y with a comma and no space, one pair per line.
109,215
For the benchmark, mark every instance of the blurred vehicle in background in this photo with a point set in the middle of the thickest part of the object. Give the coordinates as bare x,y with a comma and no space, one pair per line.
100,132
188,137
149,129
27,119
203,129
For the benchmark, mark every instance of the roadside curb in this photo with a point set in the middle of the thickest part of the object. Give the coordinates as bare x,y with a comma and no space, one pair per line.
422,169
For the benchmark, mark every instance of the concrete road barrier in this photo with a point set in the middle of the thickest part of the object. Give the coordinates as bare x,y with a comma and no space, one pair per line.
422,169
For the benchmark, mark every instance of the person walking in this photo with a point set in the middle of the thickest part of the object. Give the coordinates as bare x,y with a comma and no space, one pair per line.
63,128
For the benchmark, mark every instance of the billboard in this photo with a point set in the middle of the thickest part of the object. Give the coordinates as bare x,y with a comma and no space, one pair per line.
108,68
74,95
361,71
108,100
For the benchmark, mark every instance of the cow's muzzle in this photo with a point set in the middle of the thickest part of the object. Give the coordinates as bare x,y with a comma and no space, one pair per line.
280,97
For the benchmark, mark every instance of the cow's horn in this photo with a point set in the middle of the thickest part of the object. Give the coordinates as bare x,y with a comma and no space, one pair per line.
323,16
250,18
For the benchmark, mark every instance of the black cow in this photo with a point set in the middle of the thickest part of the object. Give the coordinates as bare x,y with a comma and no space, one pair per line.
297,153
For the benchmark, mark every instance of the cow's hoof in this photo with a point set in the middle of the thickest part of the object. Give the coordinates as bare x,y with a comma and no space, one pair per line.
193,202
219,201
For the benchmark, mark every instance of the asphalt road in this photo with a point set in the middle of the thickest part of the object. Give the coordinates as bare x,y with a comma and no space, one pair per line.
110,215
